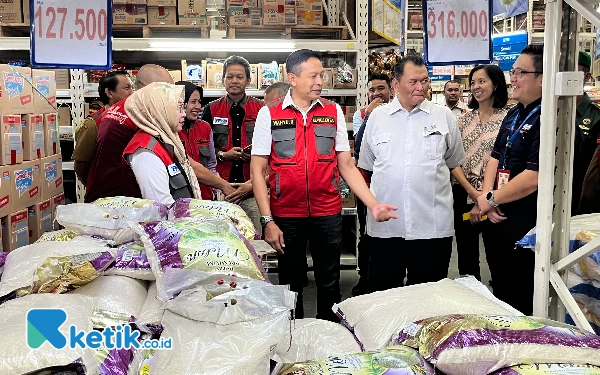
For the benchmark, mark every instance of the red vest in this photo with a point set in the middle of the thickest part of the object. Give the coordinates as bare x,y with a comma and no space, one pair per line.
178,184
117,113
196,140
97,116
304,178
222,131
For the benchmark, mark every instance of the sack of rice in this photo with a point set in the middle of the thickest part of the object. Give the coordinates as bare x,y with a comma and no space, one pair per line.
550,369
230,334
58,235
142,363
315,339
2,260
213,246
481,344
152,312
109,218
400,360
362,315
113,361
18,358
131,261
52,267
119,299
202,209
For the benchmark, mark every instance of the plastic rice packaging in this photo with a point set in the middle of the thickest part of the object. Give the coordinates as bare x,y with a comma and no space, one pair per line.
2,260
19,358
58,235
143,362
202,209
376,318
550,369
113,361
152,312
270,74
52,267
392,360
109,218
131,260
475,285
213,246
481,344
312,339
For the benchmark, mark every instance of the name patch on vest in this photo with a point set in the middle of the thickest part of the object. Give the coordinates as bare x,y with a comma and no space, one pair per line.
284,122
220,121
323,120
173,170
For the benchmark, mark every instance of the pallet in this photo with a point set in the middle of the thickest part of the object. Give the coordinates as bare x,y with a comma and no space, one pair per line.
288,32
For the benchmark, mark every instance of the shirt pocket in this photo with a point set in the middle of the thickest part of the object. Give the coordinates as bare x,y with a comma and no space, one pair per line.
285,142
204,152
381,146
250,132
433,146
324,138
221,135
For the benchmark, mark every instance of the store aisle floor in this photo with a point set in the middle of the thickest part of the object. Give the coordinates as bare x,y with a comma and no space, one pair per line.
349,279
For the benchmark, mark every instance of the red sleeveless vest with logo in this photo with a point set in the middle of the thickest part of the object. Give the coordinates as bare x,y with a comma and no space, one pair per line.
304,178
97,116
222,132
196,140
178,184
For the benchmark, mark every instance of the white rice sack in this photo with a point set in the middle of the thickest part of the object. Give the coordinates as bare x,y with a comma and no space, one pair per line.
57,235
143,362
52,267
586,293
108,217
119,299
231,334
152,312
3,256
550,369
131,261
18,358
315,339
377,317
480,344
475,285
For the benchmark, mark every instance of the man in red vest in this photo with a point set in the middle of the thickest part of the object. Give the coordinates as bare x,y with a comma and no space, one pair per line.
232,118
303,139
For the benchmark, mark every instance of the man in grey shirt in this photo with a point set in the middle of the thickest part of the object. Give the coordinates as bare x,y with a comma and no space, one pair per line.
410,145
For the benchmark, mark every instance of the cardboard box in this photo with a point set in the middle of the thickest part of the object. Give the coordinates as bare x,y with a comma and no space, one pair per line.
26,16
10,11
39,220
16,95
5,199
349,202
11,149
51,141
243,3
25,181
192,13
328,77
279,12
11,124
45,83
350,110
255,16
52,177
254,74
176,74
130,14
63,79
130,2
345,85
15,231
33,137
214,76
309,12
415,20
267,75
237,16
58,200
64,116
162,3
161,15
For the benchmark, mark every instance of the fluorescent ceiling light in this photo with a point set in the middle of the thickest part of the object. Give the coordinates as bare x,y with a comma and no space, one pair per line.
222,45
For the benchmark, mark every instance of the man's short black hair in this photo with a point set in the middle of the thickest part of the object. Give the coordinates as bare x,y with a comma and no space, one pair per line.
109,81
536,51
237,60
399,68
296,58
380,77
451,81
500,93
281,87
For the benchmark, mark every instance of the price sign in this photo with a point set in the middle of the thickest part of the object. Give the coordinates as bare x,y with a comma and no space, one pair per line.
73,34
457,31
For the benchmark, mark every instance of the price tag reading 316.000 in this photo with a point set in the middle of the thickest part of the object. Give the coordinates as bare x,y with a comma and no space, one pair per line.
71,33
457,31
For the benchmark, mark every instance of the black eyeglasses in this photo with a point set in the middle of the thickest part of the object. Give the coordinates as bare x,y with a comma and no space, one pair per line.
519,73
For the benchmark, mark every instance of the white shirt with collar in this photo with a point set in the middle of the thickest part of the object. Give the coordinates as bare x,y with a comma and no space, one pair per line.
410,154
262,139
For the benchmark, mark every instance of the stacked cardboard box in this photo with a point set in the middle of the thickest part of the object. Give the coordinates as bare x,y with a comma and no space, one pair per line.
162,12
11,146
309,12
192,13
279,12
32,133
214,76
10,11
244,13
15,231
39,220
130,12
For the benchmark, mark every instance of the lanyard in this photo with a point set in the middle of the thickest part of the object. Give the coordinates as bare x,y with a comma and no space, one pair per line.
513,133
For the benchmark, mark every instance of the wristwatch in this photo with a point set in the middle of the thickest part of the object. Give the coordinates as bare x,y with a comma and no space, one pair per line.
490,199
221,156
264,220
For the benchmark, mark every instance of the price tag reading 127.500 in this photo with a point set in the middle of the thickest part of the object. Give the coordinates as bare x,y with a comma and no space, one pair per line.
457,31
72,34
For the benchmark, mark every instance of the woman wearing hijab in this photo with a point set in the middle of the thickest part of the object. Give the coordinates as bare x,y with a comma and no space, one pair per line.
156,155
196,135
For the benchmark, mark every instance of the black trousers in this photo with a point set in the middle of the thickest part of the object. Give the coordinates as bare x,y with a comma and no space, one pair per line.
363,242
324,234
467,235
392,259
512,266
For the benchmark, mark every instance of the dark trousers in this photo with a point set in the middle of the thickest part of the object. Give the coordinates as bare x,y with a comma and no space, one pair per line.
512,266
324,234
363,242
467,235
393,258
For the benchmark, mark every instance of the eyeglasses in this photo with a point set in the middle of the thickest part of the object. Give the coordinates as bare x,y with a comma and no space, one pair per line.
519,73
182,107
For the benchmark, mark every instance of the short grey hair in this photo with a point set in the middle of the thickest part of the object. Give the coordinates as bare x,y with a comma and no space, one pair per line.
237,60
281,87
